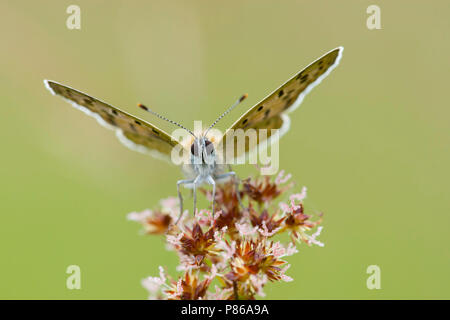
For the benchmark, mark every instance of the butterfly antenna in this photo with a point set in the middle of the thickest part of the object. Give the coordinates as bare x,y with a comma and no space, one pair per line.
140,105
227,111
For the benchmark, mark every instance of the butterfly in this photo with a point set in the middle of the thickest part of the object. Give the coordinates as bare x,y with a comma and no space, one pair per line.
203,165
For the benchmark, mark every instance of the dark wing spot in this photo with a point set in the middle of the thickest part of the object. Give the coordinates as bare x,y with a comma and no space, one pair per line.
155,132
320,62
110,119
114,112
260,108
245,121
87,101
280,93
288,104
304,78
137,122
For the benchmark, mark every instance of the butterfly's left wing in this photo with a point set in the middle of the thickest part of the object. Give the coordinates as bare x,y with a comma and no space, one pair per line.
133,132
271,113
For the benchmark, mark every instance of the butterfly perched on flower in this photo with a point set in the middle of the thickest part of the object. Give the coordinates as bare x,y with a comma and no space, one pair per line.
203,149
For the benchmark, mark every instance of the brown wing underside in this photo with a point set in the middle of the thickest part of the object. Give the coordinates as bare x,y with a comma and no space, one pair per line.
138,134
271,112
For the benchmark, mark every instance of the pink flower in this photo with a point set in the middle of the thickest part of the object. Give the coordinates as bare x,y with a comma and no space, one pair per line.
278,250
299,196
154,222
313,240
245,229
139,216
284,277
154,284
258,283
280,179
175,241
187,263
170,204
227,250
218,235
265,232
291,249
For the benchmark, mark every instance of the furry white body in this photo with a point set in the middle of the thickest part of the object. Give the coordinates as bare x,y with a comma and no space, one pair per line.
203,168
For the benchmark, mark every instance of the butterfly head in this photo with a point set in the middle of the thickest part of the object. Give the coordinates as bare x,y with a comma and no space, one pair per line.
202,151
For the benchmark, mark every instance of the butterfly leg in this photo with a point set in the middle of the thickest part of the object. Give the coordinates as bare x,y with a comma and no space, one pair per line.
213,183
236,184
180,182
194,189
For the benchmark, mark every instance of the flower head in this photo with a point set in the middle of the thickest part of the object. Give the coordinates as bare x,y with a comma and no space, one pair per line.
263,190
268,225
189,287
297,223
154,222
198,244
235,247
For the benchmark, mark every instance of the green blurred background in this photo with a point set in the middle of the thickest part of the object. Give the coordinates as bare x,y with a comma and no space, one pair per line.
371,143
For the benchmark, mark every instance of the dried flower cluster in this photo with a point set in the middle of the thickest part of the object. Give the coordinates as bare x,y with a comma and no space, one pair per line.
234,250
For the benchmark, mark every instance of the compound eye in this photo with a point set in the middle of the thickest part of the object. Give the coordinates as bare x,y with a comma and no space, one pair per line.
194,149
209,147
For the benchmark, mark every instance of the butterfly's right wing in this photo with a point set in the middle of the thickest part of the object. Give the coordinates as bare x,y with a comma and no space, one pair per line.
271,112
135,133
